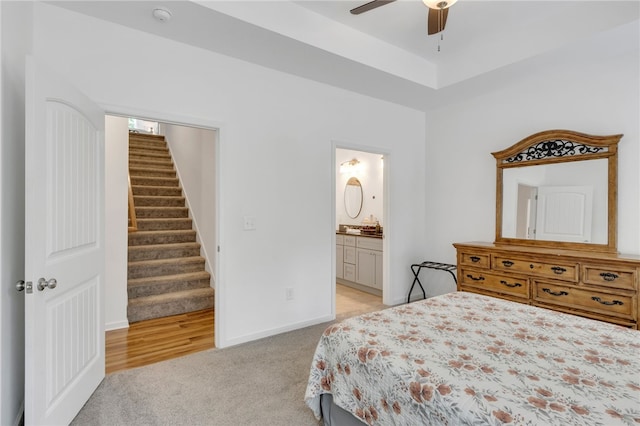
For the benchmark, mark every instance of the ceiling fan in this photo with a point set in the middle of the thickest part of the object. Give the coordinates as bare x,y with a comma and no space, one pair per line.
436,20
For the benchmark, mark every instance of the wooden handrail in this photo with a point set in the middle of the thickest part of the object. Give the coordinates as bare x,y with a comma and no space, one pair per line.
133,223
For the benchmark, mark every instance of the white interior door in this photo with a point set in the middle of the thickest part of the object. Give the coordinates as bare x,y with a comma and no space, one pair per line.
64,241
564,213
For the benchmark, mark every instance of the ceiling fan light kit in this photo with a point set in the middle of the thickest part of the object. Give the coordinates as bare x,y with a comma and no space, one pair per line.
436,19
438,4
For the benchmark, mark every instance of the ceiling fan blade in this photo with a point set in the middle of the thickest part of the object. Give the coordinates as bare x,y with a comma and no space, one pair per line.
436,20
368,6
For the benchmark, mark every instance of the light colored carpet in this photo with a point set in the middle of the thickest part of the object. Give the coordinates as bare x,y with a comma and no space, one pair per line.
257,383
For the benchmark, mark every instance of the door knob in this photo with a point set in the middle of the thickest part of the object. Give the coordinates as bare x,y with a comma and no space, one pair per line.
42,284
21,286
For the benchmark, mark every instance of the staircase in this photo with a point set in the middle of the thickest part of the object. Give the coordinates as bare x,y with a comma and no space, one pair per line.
166,274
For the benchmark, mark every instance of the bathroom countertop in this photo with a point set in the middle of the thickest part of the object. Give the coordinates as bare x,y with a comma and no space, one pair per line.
361,235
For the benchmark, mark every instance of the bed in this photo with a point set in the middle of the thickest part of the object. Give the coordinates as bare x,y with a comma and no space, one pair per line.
465,358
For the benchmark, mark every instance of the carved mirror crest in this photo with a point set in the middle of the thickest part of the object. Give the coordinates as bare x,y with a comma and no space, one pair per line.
558,188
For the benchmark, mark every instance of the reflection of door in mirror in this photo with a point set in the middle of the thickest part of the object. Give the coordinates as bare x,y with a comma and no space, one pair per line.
574,188
565,213
353,198
554,213
526,214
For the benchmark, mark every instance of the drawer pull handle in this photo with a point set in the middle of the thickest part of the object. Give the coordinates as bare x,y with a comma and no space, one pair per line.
507,263
481,278
475,259
510,285
608,276
559,293
558,270
604,302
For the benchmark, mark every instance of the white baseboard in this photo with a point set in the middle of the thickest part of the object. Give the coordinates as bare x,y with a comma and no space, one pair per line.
116,325
274,331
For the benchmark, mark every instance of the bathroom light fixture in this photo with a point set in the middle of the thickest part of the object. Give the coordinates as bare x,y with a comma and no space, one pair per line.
161,14
349,166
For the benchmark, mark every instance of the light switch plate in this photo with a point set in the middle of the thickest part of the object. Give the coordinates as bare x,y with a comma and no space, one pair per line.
249,223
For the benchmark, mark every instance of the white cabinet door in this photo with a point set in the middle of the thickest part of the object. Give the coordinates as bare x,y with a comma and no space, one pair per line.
366,267
369,268
339,261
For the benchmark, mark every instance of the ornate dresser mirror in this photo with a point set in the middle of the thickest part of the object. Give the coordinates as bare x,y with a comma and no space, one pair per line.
556,226
558,189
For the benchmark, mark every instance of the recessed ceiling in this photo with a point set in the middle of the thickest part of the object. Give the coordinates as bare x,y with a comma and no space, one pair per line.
384,53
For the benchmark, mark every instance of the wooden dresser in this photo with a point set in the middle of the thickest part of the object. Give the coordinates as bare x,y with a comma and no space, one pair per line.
602,286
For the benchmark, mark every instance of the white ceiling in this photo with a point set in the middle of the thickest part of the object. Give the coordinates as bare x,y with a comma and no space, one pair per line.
386,53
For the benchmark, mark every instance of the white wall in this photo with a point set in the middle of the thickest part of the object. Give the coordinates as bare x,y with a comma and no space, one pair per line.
275,155
116,223
193,152
370,174
596,92
16,42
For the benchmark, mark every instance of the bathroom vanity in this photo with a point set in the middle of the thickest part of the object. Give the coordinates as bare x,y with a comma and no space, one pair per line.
359,262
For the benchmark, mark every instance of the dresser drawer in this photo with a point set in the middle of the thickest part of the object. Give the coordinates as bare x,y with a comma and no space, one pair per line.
585,299
476,260
608,277
559,271
512,285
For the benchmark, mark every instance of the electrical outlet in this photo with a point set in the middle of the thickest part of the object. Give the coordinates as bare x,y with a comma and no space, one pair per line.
289,293
249,223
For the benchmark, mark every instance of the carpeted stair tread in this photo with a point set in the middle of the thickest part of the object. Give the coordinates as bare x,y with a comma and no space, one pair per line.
174,191
154,181
158,201
149,154
160,267
156,306
187,276
147,149
158,164
158,237
146,144
156,224
143,287
150,171
158,212
163,251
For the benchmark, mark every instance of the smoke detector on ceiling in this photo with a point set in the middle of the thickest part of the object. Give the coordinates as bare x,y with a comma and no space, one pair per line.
161,14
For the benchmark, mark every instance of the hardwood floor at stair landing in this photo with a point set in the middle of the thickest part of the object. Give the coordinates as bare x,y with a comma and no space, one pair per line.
160,339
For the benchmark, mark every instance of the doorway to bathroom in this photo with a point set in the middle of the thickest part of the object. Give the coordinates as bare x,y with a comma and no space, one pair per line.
360,231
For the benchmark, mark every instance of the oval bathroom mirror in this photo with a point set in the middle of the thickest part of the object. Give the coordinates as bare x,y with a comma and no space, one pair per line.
353,198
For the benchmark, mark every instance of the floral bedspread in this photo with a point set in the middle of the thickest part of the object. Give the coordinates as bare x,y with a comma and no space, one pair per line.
464,358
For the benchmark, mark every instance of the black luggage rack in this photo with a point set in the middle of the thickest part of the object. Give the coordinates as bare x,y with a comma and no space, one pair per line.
416,267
